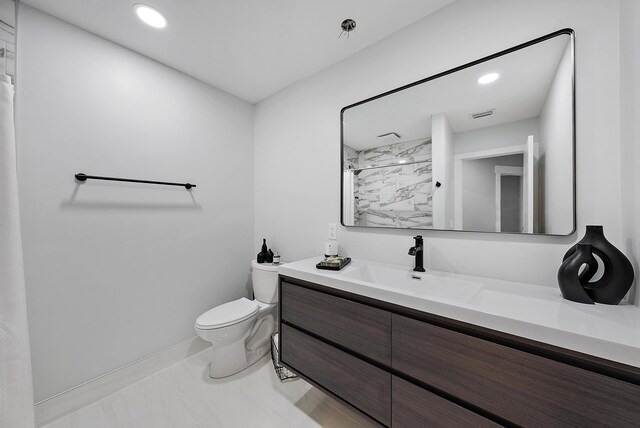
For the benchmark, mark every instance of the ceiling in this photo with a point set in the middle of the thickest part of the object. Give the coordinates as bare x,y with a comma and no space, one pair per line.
520,92
249,48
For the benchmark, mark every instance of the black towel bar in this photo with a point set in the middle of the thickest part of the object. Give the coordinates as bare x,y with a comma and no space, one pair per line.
84,177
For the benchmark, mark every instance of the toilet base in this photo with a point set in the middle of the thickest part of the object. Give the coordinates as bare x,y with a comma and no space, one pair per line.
222,366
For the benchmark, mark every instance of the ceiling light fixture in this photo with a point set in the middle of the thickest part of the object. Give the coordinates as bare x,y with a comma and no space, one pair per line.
150,16
348,25
488,78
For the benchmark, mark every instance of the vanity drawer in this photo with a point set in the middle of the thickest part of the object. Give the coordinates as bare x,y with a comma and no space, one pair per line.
522,388
355,326
416,407
361,384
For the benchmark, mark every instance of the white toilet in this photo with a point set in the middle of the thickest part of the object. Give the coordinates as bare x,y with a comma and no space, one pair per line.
240,331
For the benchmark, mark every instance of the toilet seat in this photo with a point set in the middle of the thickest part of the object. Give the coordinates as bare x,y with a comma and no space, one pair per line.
227,314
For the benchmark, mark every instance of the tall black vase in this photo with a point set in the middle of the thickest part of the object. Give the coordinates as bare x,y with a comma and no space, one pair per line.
262,255
570,281
618,271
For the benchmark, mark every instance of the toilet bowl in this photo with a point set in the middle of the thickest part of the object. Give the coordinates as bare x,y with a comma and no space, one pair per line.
240,331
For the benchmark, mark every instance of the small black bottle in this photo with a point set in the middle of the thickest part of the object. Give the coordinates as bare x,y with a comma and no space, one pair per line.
269,257
262,255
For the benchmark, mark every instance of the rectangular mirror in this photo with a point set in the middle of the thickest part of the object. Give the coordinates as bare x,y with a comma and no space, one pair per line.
485,147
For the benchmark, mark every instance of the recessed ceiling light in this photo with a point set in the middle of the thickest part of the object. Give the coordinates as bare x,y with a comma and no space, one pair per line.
488,78
402,161
150,16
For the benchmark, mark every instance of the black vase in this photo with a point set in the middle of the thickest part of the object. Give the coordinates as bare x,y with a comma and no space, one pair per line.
263,254
572,282
269,257
618,271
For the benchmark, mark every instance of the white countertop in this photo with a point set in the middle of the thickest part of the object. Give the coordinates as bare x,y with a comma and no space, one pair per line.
532,311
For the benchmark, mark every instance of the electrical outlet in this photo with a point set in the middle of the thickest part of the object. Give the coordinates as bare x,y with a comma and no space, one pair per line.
333,231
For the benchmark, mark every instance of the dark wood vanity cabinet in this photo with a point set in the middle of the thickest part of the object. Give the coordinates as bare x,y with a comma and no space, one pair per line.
414,406
363,329
405,368
517,386
361,384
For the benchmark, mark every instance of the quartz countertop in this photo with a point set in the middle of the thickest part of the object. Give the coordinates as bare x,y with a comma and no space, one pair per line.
536,312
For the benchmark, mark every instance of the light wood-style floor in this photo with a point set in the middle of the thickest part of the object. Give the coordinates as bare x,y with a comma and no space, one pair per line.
184,396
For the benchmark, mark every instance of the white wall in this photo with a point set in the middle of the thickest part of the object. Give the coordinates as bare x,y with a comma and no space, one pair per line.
442,167
511,203
302,122
116,271
506,135
556,152
492,137
479,191
630,131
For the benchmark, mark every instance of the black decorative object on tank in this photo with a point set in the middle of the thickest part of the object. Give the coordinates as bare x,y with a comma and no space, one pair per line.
269,257
262,255
616,279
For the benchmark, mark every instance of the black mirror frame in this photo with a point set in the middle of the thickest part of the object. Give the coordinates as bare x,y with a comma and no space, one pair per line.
568,31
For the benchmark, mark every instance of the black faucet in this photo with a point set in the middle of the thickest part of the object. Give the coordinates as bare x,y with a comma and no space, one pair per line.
418,251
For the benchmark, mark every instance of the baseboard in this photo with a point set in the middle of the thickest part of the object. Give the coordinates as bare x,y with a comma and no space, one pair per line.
73,399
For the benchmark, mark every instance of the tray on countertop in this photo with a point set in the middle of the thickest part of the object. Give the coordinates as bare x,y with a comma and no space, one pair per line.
345,262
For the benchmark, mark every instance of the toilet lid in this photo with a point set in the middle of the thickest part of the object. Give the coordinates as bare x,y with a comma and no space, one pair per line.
227,314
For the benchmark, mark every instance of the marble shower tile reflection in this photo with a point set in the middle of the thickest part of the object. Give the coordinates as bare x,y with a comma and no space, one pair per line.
368,202
420,148
391,170
412,182
408,170
397,201
423,202
367,173
378,154
384,191
423,168
415,219
380,218
380,185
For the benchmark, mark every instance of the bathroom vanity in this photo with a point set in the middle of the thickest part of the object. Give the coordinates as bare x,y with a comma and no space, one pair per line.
412,349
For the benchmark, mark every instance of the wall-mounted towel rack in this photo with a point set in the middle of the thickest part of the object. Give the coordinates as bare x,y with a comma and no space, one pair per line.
84,177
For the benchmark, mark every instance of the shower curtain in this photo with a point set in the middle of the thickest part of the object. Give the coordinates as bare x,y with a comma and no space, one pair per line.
348,201
16,389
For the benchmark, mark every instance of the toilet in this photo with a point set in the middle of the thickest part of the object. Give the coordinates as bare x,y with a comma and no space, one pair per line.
240,331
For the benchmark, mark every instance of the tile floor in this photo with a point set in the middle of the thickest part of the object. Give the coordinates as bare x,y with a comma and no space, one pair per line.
184,396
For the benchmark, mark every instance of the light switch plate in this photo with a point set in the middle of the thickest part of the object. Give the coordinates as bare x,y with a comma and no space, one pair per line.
333,231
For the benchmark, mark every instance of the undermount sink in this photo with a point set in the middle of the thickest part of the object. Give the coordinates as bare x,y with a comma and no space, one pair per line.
424,284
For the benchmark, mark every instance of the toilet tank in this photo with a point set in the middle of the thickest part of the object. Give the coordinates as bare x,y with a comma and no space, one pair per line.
265,282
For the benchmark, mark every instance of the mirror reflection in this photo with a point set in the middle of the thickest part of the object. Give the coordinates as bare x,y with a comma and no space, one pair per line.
486,147
7,38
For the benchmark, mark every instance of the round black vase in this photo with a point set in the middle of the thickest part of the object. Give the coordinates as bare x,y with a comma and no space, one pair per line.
571,282
618,271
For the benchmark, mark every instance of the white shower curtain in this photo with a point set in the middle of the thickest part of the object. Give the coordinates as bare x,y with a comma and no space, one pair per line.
16,389
348,198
